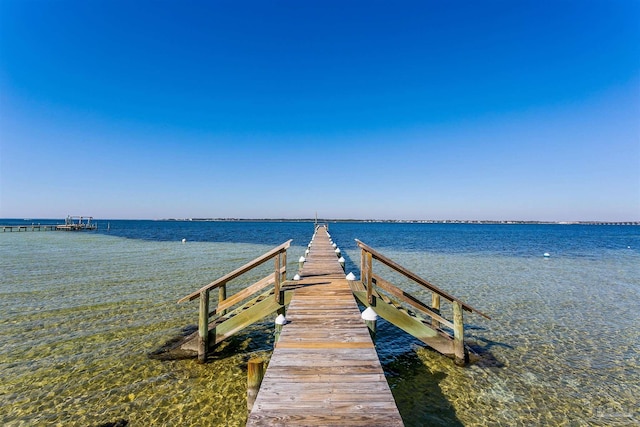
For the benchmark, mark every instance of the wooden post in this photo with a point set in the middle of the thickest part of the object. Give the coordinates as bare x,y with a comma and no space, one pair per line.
255,374
362,264
277,277
279,323
370,318
369,276
435,304
373,328
284,264
222,295
459,352
203,327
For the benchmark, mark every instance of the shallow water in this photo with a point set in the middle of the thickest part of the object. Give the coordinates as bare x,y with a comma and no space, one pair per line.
80,311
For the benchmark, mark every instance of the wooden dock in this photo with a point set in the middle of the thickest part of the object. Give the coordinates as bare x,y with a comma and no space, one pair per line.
324,369
71,223
32,227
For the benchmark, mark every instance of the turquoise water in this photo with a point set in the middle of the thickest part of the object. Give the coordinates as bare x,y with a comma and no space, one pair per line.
79,312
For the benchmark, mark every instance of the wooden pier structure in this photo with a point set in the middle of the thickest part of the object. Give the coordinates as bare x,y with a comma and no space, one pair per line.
71,223
32,227
324,369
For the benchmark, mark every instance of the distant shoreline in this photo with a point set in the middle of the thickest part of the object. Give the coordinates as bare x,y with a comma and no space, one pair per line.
402,221
335,220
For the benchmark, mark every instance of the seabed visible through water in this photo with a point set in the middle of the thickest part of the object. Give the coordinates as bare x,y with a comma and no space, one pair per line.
79,314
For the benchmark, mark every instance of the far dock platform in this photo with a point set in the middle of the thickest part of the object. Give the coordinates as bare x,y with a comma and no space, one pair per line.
71,223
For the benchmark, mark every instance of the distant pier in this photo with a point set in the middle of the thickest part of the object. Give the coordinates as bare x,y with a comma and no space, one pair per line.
32,227
71,223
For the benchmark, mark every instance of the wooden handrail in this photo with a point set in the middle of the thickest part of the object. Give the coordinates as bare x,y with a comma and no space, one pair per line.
410,299
246,292
238,272
397,267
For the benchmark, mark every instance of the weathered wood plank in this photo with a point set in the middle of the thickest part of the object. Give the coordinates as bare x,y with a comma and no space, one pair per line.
318,344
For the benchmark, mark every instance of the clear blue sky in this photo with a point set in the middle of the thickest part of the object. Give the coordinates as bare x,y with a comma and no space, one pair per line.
526,110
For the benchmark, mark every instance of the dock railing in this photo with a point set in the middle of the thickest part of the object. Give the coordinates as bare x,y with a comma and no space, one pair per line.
278,254
453,328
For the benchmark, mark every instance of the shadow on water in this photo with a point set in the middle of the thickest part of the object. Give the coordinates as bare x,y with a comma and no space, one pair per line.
417,392
256,338
480,349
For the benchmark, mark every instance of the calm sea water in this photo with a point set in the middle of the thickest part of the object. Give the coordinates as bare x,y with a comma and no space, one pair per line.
79,312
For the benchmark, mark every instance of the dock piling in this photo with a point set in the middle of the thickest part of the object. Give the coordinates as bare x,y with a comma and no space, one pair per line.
203,327
255,374
460,354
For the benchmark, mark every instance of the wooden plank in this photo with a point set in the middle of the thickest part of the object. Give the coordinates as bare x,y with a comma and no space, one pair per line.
318,344
281,418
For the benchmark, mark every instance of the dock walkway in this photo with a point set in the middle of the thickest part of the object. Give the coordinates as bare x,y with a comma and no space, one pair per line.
324,369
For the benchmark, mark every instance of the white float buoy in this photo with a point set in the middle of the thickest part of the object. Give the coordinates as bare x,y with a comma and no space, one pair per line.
184,240
369,314
281,320
296,277
351,276
546,255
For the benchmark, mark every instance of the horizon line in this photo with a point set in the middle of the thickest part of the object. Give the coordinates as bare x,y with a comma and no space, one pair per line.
371,220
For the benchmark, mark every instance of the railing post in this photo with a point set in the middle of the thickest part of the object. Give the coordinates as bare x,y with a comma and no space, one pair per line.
276,288
222,295
284,264
361,264
369,276
435,304
459,352
203,327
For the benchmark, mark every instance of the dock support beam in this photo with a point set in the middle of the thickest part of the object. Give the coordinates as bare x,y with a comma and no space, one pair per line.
460,354
203,327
